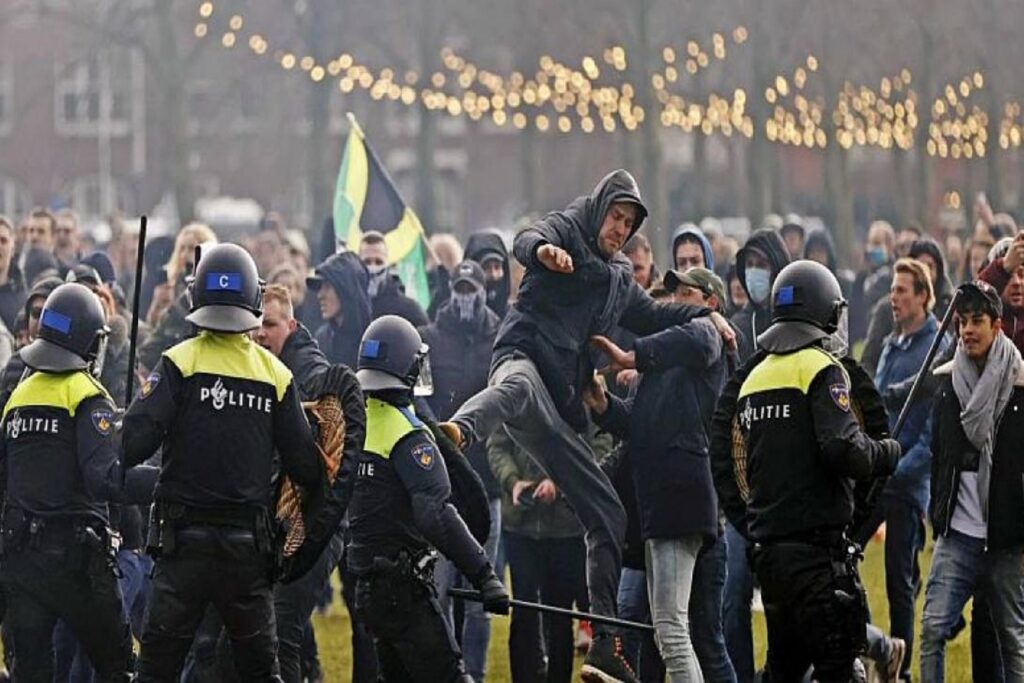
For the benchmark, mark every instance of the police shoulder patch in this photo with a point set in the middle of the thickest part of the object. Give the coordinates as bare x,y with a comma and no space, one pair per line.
424,455
103,420
149,385
840,396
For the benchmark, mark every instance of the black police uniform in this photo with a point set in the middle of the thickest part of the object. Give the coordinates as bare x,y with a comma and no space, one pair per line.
59,466
219,405
804,447
399,509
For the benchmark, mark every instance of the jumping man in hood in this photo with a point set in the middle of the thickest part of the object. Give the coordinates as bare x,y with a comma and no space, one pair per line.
577,284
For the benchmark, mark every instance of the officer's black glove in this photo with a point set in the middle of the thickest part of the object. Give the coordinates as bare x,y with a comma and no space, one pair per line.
893,450
492,592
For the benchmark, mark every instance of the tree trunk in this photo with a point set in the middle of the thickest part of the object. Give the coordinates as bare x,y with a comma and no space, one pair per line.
923,186
651,189
318,112
426,134
179,145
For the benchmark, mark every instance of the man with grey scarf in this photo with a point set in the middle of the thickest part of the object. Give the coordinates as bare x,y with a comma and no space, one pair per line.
977,501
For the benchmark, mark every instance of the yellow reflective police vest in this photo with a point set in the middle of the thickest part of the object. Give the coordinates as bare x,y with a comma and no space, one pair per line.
386,425
789,371
230,355
64,391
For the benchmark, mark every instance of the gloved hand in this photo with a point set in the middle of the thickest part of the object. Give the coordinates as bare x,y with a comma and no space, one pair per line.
893,451
492,592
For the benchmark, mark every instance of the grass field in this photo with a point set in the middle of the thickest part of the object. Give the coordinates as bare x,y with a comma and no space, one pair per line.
332,631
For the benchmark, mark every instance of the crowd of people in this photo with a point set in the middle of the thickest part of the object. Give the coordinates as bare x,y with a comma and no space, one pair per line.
614,413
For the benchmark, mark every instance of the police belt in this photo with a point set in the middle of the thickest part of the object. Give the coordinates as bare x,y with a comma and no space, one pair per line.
823,538
406,565
239,517
23,529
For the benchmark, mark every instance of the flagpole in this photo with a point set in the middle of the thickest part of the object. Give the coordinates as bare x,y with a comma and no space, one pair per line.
355,125
357,129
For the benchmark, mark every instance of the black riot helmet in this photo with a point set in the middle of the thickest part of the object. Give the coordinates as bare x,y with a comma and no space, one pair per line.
392,355
225,290
72,331
807,304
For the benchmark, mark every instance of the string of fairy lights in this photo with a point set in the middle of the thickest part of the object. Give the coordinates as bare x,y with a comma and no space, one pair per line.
561,98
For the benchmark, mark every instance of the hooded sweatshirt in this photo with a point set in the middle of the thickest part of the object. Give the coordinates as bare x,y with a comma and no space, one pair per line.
480,244
820,238
689,230
339,337
555,314
391,299
460,357
753,319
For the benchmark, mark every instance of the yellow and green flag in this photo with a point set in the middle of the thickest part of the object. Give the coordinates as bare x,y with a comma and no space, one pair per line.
365,198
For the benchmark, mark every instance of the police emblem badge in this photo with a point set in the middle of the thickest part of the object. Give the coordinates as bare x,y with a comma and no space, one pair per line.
840,396
424,455
103,420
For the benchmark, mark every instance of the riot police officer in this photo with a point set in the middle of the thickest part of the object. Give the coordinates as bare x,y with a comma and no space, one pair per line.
219,405
400,512
804,448
60,467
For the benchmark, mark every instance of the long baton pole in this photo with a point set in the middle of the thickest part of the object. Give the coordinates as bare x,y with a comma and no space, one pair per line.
474,596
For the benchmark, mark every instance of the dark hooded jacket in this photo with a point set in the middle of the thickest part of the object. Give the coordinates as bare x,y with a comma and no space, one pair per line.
684,231
339,339
820,238
943,286
753,319
315,376
460,357
480,244
555,314
392,300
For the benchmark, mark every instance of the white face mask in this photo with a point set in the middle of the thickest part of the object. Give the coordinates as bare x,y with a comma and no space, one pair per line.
759,284
467,306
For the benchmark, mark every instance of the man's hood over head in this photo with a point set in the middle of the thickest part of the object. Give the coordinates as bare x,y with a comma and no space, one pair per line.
617,186
483,242
925,245
347,274
691,230
768,242
479,245
820,238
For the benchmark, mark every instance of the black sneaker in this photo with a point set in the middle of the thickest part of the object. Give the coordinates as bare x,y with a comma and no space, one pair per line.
606,663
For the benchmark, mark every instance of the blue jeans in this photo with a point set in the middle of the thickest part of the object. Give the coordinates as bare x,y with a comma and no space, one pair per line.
739,592
960,569
706,628
670,565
